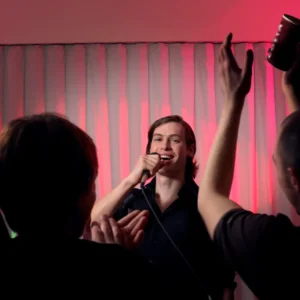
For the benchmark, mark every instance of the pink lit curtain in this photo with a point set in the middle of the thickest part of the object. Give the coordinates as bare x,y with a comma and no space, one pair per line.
116,91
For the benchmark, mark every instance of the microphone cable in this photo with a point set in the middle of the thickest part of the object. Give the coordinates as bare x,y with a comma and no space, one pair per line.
173,243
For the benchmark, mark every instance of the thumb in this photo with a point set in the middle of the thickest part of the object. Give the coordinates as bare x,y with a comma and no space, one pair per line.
247,70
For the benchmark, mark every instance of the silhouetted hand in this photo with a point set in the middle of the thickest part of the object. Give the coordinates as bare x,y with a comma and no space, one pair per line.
236,82
128,232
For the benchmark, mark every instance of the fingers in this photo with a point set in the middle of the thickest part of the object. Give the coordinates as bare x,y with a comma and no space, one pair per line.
116,231
132,227
155,153
129,226
140,225
227,41
127,242
138,238
152,159
151,163
96,233
107,231
226,56
247,70
127,219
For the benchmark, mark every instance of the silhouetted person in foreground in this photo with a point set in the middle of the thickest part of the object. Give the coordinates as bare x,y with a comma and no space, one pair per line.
263,249
48,168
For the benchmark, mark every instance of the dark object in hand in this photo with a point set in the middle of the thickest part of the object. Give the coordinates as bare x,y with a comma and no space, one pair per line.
284,48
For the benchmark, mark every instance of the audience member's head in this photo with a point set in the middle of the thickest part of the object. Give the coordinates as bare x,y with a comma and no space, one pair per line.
48,168
287,158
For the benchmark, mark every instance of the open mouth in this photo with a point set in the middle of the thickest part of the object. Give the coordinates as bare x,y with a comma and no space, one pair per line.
166,157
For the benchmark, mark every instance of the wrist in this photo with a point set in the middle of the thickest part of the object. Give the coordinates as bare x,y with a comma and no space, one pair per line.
128,183
233,106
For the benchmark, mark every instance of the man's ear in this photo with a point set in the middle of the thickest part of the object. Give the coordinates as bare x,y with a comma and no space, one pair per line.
293,179
191,151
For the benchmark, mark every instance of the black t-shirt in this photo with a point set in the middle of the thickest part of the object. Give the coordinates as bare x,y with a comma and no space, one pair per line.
70,268
264,250
186,228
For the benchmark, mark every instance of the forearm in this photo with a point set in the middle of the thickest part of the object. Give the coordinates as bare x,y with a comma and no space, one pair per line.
218,174
216,183
109,204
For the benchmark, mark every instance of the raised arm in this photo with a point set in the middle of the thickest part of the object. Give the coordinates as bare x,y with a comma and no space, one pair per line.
213,197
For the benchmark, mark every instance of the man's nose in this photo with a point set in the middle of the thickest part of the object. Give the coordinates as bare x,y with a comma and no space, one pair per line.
166,144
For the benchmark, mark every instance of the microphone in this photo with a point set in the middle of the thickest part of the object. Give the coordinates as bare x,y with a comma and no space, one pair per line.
146,174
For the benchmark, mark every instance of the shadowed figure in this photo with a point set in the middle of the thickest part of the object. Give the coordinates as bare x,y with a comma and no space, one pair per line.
48,168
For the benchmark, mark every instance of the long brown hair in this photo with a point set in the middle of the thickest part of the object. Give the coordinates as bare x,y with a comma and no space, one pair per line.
191,167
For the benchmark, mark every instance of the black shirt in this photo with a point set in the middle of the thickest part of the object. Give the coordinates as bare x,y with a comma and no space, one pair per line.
186,228
70,268
264,250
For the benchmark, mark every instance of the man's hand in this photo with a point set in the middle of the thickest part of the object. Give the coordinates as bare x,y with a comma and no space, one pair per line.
291,84
150,162
236,83
128,232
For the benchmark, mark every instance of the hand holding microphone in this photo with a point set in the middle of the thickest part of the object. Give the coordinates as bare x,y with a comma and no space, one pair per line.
146,173
146,167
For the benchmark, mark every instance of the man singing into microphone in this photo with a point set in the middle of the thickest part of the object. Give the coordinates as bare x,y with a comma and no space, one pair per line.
173,195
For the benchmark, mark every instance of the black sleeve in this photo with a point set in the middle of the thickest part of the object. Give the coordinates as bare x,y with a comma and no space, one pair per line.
258,247
126,205
121,212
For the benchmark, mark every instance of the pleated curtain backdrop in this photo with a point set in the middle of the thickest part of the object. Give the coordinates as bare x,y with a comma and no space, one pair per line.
115,91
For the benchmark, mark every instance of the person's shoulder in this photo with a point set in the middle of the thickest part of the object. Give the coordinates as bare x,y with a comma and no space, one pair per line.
241,223
243,215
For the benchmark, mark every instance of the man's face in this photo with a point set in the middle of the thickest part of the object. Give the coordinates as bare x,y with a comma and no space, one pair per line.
170,142
287,180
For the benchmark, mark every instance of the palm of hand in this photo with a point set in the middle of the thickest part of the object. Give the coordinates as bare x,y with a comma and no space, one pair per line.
231,81
235,81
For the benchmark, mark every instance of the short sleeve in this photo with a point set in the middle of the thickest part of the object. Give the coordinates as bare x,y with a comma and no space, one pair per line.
126,206
120,213
258,246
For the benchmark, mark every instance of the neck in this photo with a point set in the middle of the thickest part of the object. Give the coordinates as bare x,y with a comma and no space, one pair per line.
166,189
